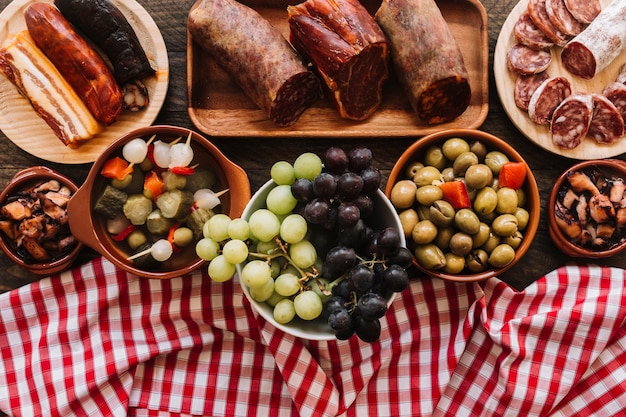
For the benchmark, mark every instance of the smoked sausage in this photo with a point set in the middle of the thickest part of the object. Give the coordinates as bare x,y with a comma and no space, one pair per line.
426,58
106,26
81,66
256,56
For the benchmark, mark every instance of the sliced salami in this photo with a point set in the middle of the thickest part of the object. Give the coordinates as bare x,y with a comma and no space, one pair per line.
524,60
599,44
539,14
527,33
547,98
562,19
525,86
621,77
616,93
571,120
584,10
607,124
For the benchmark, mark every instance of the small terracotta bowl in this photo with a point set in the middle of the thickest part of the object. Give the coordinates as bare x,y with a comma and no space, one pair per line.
609,168
90,227
416,152
23,180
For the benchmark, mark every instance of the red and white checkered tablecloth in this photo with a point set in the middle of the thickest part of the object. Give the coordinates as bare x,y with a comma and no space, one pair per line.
97,341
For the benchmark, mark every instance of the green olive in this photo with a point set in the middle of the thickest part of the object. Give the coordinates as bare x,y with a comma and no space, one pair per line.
403,194
426,176
428,194
523,217
514,240
477,260
504,225
447,174
423,212
478,176
461,244
463,162
412,168
455,264
442,213
485,201
408,220
430,256
487,217
492,241
507,200
495,160
123,183
435,157
183,236
479,148
424,232
521,197
481,237
443,237
453,147
467,221
136,238
501,256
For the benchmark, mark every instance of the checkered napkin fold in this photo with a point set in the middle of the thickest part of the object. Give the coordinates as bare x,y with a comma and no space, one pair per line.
98,341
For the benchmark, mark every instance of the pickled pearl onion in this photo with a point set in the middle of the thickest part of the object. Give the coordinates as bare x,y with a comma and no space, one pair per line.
181,155
161,250
135,151
205,198
161,154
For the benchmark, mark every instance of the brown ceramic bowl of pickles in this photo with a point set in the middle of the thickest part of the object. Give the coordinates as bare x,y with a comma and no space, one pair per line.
468,203
587,209
148,195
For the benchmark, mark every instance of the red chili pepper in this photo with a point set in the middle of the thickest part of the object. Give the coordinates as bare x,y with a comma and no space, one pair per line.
170,236
455,193
183,170
124,233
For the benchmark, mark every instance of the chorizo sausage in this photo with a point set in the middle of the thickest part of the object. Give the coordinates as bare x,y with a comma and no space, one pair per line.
584,10
106,26
599,44
546,98
347,48
562,19
426,58
607,123
256,56
54,100
525,86
528,33
524,60
571,120
539,14
82,67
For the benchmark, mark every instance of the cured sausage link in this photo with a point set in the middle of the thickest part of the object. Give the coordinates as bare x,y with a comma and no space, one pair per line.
76,60
256,56
106,26
54,100
348,49
599,44
426,58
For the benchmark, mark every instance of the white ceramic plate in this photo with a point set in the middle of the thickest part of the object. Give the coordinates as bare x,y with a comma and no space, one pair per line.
21,124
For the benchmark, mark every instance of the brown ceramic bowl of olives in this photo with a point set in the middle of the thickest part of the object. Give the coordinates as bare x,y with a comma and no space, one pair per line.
586,211
468,203
148,195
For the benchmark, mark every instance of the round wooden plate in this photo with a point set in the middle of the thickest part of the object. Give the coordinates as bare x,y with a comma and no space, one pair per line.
540,134
21,124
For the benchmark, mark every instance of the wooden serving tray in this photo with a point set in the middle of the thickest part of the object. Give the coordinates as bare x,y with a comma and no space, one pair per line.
218,107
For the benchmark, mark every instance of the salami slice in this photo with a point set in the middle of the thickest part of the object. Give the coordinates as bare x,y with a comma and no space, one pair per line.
546,98
539,14
584,10
607,124
599,44
524,60
527,33
616,93
525,86
562,19
571,120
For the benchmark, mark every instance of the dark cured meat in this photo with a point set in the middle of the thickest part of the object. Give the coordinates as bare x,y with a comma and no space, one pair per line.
570,121
546,98
607,123
76,60
562,19
616,93
599,44
348,49
524,60
584,10
256,56
525,86
106,26
426,58
527,33
539,14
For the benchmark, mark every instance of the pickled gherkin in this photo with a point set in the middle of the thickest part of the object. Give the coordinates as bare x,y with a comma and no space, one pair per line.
137,208
175,204
110,202
158,224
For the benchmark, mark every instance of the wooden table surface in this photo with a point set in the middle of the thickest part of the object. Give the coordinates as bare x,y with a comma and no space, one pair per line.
257,155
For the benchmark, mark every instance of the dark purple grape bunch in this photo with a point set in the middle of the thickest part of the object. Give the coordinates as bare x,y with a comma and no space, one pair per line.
365,264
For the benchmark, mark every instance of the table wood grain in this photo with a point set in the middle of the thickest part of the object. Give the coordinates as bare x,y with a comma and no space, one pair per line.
256,155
